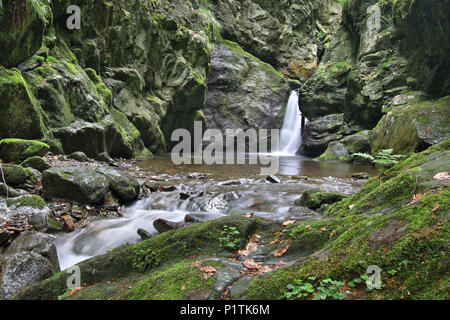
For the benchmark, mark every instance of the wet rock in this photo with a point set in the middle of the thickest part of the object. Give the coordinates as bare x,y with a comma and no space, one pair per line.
16,175
144,234
40,243
31,207
168,188
300,178
388,234
54,225
273,179
360,175
18,150
105,157
79,156
6,237
36,163
214,204
315,198
123,186
197,175
343,149
76,184
22,270
230,183
162,225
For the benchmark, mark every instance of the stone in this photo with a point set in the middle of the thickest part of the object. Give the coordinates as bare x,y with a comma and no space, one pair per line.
72,183
315,198
162,225
123,186
144,234
361,175
79,156
273,179
37,242
32,207
18,150
68,222
22,270
36,163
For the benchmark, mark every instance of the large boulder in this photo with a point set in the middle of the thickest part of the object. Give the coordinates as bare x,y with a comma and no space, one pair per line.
36,163
412,125
343,149
18,150
22,270
31,207
16,175
73,183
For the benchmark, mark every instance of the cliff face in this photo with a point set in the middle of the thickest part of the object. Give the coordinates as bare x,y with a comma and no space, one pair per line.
137,70
386,62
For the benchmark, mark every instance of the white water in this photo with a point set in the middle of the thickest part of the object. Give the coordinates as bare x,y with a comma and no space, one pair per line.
291,132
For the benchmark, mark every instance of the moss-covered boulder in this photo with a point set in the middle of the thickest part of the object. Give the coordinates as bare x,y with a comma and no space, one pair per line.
20,113
36,163
76,184
315,198
123,186
412,125
18,150
16,175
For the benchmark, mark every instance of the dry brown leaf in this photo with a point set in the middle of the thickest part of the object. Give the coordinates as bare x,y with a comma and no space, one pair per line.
196,264
442,176
208,269
281,263
280,252
276,234
288,223
243,253
250,264
249,215
323,229
308,227
206,276
417,197
332,233
71,293
436,208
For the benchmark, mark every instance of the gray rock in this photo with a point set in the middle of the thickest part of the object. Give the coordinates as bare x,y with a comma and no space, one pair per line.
22,270
123,186
144,234
40,243
360,175
273,179
79,156
36,163
162,225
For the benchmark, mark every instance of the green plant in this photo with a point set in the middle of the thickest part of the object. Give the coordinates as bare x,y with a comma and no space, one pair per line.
382,159
229,239
319,289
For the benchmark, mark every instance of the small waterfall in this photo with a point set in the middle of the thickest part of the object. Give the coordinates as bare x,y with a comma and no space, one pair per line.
291,132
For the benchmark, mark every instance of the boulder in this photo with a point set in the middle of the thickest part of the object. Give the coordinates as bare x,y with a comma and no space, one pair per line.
18,150
40,243
16,175
36,163
123,186
32,207
79,156
162,225
72,183
315,198
22,270
343,149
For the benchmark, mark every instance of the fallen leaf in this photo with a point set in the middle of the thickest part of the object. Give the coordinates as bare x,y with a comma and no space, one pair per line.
249,215
332,234
276,234
417,197
281,263
250,264
280,252
71,293
183,288
436,207
323,229
442,176
208,269
288,223
351,206
206,276
308,227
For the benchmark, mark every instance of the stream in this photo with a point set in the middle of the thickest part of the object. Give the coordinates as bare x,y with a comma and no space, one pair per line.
219,190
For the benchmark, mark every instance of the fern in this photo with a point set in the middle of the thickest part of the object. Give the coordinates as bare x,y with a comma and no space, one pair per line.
382,159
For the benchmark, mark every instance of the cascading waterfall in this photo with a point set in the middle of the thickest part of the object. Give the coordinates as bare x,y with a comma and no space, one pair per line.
291,132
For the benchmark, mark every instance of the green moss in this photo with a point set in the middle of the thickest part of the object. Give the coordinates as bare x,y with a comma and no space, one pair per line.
102,89
18,150
33,201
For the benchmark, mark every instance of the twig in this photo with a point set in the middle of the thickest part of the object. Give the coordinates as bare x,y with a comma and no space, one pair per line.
4,181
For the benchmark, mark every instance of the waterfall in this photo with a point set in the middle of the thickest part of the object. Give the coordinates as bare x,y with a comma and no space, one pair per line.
291,132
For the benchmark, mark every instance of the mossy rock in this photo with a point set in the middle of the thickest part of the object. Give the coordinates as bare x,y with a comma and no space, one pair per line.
123,186
16,175
315,198
71,183
36,163
32,201
18,150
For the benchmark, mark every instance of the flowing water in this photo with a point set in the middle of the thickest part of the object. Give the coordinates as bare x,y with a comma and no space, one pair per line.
246,191
291,132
